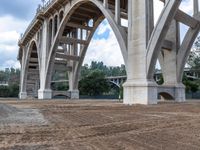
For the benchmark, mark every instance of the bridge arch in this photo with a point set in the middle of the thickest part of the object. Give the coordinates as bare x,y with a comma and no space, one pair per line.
115,84
158,34
56,19
32,67
61,15
167,17
50,26
104,13
166,96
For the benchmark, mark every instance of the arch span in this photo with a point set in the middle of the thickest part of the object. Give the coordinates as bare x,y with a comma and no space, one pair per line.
100,13
30,74
166,92
165,96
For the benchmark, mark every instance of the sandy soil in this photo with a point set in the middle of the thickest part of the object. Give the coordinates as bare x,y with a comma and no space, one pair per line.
98,125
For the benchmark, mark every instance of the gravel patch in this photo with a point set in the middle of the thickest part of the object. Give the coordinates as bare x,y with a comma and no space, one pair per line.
13,115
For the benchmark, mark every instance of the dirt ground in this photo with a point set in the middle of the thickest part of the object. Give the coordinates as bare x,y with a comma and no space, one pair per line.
98,125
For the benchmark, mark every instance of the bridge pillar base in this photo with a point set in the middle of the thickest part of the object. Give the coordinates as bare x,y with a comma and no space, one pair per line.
23,95
180,93
44,94
136,92
172,92
74,94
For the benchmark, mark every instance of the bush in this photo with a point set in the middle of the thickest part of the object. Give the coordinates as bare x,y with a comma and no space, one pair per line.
94,84
4,91
9,91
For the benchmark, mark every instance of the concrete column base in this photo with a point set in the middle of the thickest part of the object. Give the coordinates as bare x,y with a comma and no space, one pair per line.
74,94
136,92
180,93
44,94
23,95
172,92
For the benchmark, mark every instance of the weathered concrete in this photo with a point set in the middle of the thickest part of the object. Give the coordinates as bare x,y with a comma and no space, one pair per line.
61,35
74,94
44,94
23,95
175,92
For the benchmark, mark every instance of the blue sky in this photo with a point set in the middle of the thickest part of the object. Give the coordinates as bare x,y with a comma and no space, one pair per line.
15,16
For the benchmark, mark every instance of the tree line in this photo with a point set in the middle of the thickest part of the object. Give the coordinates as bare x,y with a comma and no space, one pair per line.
12,77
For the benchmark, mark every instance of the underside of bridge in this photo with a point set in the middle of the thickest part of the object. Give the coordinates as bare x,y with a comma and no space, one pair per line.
33,73
63,30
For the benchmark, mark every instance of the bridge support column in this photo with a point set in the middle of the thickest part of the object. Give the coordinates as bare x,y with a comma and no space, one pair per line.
168,62
73,86
105,3
23,95
23,76
74,94
136,92
117,12
72,75
172,92
44,94
138,89
180,93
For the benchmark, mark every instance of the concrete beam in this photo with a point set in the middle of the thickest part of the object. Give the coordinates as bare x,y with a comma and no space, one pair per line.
196,6
67,57
158,35
68,40
63,62
167,45
75,25
117,12
62,67
186,19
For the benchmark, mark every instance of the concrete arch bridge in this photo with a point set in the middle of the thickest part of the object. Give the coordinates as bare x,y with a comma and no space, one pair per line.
61,31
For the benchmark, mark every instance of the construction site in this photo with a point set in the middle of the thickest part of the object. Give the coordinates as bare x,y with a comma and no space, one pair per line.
98,125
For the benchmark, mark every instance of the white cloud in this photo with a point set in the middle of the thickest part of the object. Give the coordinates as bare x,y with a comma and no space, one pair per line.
10,30
158,7
9,37
187,6
10,63
106,50
9,23
103,27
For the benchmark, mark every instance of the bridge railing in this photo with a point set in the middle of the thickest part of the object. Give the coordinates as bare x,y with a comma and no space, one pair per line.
44,6
47,4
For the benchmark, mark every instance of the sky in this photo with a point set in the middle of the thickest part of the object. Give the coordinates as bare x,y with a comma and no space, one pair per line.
15,16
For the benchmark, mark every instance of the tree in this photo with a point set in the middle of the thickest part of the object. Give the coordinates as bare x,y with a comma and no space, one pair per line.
108,71
193,63
94,84
194,57
85,71
13,90
12,76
